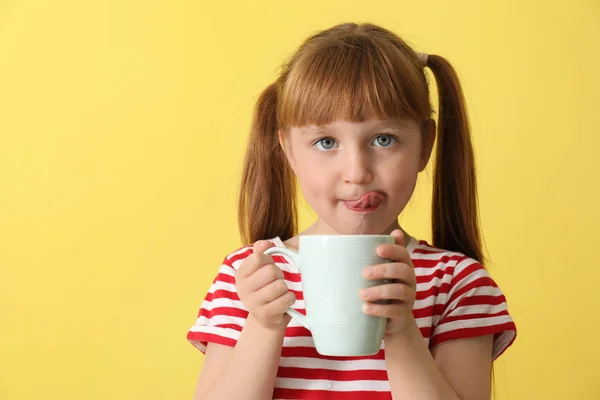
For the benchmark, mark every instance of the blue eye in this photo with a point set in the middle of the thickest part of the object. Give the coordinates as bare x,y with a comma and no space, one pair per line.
325,144
384,141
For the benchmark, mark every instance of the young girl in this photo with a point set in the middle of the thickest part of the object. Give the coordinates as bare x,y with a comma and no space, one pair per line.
350,118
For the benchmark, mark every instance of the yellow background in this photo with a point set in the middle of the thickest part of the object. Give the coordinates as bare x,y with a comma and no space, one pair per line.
122,126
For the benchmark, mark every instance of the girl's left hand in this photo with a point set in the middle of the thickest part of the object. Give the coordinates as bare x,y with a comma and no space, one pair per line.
400,293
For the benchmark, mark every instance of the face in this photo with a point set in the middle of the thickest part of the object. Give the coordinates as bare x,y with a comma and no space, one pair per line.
358,177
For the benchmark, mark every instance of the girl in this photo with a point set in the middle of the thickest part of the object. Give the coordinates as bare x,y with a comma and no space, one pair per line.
350,118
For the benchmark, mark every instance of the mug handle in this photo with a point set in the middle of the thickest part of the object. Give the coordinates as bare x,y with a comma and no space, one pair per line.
296,259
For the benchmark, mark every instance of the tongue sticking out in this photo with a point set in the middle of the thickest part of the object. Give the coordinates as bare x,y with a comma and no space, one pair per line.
369,200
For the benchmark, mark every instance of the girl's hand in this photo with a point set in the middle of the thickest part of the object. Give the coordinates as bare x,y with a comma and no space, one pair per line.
400,293
262,290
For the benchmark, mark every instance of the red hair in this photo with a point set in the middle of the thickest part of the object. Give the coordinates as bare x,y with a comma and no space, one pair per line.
354,72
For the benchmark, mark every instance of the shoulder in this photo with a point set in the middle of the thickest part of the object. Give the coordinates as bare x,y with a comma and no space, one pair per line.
237,257
429,258
450,269
470,302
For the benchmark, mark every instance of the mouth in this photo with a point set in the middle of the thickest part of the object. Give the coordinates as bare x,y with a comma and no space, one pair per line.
368,202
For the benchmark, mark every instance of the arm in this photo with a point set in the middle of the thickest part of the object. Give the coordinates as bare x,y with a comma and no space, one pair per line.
232,373
458,369
249,369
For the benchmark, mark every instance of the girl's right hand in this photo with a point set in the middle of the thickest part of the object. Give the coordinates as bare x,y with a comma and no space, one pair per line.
262,290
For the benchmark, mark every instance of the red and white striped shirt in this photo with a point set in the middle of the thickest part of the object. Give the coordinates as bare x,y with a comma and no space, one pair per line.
456,298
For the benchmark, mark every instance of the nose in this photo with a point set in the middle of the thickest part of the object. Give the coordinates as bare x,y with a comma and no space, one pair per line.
357,167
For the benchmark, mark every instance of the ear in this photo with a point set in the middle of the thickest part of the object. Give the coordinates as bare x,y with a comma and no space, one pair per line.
428,139
284,142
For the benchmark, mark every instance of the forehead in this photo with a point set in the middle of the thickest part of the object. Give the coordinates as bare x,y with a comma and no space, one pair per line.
369,125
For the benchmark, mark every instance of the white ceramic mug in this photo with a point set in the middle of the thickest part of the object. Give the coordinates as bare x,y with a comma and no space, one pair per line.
331,268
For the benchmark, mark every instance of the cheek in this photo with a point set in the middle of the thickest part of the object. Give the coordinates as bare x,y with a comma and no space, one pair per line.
313,181
311,174
401,175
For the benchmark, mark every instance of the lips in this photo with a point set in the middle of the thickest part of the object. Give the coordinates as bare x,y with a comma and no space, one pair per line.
368,202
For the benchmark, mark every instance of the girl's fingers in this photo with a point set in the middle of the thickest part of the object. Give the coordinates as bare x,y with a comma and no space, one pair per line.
392,291
271,291
280,305
264,276
385,310
398,271
257,259
394,252
399,236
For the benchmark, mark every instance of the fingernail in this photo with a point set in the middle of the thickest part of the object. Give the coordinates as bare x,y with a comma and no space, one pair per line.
365,307
363,293
367,273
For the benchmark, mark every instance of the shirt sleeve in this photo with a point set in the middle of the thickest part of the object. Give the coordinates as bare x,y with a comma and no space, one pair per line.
475,306
222,315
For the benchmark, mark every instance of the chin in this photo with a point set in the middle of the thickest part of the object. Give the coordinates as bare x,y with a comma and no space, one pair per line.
361,230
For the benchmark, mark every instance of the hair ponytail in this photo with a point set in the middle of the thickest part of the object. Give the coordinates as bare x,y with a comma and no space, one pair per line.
267,200
455,221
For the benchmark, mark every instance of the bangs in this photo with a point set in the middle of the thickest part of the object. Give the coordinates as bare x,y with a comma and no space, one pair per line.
354,79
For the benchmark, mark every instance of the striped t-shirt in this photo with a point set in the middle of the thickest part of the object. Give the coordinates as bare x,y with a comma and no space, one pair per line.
456,298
